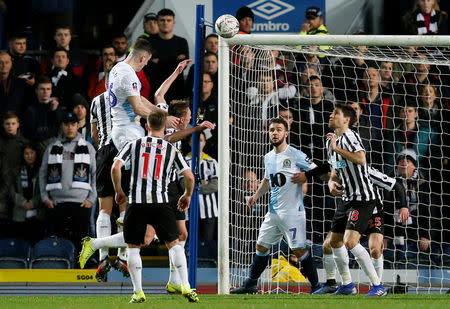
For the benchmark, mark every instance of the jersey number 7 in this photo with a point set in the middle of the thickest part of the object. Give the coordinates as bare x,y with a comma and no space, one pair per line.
157,168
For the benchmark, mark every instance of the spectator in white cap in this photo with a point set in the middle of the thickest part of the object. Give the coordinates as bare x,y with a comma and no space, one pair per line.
423,228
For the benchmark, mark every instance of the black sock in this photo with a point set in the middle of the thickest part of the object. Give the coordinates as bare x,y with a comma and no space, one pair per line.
331,282
309,270
258,265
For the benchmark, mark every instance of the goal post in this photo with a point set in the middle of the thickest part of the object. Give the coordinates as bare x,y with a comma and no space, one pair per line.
243,143
224,168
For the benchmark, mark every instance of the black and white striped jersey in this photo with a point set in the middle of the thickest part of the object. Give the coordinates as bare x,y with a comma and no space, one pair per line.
355,178
101,115
380,180
151,160
170,131
208,170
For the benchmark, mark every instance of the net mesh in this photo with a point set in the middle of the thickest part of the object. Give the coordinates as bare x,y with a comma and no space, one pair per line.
402,94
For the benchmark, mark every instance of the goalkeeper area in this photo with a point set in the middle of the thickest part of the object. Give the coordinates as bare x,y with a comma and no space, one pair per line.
399,87
221,301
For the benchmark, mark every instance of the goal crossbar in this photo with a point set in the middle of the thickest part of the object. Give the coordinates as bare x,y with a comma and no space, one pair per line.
224,106
340,40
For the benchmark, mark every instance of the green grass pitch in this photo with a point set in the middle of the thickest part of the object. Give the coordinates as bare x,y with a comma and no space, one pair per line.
429,301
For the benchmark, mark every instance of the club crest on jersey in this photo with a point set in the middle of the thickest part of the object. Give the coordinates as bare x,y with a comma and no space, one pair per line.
287,163
340,164
134,85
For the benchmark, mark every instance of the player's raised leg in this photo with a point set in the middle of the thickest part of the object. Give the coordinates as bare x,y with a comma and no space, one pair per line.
120,264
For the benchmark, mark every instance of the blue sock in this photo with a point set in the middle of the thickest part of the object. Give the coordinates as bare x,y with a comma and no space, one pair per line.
258,265
309,269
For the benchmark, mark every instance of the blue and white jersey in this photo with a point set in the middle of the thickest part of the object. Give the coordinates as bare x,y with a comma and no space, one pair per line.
279,169
123,83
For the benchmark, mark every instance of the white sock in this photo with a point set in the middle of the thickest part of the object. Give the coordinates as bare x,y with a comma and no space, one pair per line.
121,252
174,277
330,266
176,254
103,229
182,243
378,264
363,259
135,268
341,259
113,241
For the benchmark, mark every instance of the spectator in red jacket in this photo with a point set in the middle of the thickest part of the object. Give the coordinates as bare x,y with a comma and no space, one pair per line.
97,79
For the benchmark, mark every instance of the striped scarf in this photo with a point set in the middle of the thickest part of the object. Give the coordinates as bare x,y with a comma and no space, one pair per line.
81,167
421,27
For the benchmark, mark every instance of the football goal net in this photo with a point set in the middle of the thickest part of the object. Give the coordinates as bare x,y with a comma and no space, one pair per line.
400,88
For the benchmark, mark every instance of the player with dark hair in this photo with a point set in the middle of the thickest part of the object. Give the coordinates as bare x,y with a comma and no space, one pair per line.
350,177
124,96
286,216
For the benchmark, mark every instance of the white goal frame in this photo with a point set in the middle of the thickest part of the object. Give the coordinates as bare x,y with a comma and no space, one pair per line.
223,99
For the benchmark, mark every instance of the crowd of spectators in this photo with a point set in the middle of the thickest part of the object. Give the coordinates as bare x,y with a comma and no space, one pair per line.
402,113
402,109
45,112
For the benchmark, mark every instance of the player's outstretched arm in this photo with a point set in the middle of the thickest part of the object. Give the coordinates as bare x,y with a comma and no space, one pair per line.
264,186
320,171
181,134
162,90
116,175
139,107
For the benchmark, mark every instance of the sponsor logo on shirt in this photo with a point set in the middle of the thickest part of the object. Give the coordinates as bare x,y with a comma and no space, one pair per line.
135,86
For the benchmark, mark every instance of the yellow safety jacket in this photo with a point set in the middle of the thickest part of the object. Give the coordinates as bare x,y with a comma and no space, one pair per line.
321,30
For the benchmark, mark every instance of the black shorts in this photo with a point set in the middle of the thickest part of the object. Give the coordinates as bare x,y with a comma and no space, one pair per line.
340,218
174,194
376,224
104,160
353,215
160,216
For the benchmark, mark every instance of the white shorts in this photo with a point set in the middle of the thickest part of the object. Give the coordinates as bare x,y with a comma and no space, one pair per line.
126,133
290,225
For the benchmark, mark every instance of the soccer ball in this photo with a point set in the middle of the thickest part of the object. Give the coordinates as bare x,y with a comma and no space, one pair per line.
227,26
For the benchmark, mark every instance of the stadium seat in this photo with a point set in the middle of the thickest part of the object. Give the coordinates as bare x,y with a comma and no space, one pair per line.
14,253
53,253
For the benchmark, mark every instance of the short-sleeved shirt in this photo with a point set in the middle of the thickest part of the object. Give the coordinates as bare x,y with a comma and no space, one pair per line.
151,161
123,83
355,178
279,169
101,116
